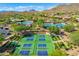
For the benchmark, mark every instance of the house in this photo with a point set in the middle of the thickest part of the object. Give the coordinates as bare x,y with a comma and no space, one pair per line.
5,31
15,19
77,19
57,16
66,17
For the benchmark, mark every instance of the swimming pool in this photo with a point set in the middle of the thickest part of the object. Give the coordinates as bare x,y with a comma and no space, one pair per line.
25,22
59,25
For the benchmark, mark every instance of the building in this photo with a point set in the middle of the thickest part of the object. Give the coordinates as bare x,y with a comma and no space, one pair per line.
5,31
77,19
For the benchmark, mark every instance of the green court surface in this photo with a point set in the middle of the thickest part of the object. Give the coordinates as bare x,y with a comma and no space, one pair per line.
37,45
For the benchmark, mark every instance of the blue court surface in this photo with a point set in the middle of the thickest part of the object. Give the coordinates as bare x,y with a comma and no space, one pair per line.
30,38
24,52
41,35
41,39
27,45
42,53
41,45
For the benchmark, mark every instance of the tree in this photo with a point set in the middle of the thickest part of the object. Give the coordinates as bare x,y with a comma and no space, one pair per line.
54,29
75,37
16,37
69,27
33,27
1,38
40,22
20,27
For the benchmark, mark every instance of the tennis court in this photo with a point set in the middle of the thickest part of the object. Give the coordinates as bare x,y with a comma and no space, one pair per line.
37,45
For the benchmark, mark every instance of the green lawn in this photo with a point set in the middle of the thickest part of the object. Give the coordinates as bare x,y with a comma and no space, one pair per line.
75,37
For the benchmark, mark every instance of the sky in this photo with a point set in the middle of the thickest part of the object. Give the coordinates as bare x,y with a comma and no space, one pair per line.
26,6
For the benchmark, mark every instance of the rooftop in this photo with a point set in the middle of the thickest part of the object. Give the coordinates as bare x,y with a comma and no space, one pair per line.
5,31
